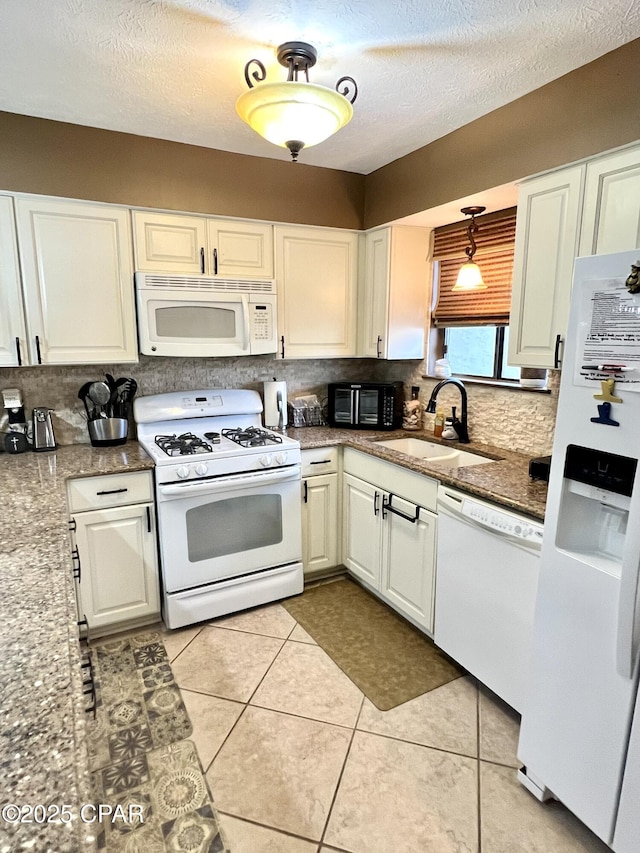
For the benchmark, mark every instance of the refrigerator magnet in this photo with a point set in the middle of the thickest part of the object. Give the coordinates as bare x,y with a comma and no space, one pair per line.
604,416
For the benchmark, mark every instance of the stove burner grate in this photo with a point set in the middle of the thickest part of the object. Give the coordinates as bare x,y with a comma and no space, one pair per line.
182,445
251,436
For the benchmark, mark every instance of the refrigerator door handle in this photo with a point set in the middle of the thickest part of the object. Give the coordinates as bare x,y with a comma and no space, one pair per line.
629,612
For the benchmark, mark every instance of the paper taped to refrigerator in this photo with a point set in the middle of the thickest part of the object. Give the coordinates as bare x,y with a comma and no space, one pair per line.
608,334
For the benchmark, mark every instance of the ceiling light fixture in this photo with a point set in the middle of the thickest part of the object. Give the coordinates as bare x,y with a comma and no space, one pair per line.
294,114
470,277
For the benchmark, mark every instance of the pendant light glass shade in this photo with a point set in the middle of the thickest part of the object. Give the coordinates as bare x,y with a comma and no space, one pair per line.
469,278
302,112
294,114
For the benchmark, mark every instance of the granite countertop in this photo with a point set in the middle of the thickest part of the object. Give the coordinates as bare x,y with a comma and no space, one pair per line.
42,715
505,481
42,710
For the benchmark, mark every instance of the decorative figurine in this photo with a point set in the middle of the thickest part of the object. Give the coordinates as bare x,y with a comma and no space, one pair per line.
633,281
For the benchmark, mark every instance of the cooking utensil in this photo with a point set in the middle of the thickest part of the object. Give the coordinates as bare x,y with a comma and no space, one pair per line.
127,388
83,395
99,394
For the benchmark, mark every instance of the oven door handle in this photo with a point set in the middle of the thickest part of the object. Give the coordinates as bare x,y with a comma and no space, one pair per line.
236,481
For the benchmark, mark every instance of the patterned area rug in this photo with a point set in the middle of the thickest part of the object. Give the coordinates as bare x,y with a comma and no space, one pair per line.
142,767
385,656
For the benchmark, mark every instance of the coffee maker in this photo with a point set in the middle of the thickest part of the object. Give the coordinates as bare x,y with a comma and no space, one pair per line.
15,441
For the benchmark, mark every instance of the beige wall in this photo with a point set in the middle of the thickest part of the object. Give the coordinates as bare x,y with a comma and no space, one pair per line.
590,110
54,158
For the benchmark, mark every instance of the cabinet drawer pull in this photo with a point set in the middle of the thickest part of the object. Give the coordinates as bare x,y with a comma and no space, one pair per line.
386,507
321,462
112,491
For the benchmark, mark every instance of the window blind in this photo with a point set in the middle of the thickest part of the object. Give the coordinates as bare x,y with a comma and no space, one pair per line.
494,255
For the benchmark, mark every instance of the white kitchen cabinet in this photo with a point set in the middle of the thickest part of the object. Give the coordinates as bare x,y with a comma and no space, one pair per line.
389,534
611,213
547,230
229,248
592,208
12,326
77,278
115,555
320,510
317,277
394,293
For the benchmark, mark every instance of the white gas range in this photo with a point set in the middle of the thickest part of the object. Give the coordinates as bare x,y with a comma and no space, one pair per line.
228,491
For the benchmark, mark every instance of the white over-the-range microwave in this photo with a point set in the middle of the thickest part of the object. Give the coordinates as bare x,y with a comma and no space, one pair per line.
182,315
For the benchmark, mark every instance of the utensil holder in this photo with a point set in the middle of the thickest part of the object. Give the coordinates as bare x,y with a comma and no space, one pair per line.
108,432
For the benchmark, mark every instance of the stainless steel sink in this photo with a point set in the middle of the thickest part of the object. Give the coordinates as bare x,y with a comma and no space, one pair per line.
438,454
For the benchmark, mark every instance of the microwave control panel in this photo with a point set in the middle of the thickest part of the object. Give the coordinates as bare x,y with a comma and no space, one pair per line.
262,313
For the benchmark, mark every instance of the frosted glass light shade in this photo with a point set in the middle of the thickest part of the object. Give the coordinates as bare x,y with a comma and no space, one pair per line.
304,112
469,278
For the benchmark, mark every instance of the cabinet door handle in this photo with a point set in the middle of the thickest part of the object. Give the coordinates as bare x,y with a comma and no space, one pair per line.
202,259
215,262
282,345
556,352
305,496
376,497
77,568
18,353
378,353
386,507
112,491
148,519
38,353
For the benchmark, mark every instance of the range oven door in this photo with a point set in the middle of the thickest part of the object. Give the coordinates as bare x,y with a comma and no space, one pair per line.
211,530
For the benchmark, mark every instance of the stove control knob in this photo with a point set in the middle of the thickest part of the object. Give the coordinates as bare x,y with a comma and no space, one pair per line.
183,472
281,458
265,461
201,469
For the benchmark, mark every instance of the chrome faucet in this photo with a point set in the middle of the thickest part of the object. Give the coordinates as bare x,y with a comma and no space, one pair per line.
460,426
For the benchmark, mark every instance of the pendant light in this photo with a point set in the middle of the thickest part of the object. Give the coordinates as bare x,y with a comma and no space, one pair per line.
470,277
295,114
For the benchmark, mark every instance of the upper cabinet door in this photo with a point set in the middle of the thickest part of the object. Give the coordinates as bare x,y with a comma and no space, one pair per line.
240,249
611,217
395,293
13,342
78,281
166,242
546,243
317,275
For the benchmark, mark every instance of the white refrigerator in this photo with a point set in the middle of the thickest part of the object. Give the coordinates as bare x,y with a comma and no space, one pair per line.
580,734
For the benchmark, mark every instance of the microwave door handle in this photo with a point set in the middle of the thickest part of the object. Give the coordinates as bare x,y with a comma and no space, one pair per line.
246,323
356,407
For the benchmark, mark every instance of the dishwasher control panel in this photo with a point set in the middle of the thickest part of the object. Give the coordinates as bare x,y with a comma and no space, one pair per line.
502,522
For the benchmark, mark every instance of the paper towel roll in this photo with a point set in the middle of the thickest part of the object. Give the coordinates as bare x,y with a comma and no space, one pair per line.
273,393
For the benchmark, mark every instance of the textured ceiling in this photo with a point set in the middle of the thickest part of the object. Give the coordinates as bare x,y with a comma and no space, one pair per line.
174,68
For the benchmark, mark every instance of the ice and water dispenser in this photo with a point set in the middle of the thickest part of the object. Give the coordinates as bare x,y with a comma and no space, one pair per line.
594,508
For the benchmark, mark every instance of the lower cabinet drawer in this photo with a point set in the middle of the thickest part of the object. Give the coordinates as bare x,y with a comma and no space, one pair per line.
109,490
320,460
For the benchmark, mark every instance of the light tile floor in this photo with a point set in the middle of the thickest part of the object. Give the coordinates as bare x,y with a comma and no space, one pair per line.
299,761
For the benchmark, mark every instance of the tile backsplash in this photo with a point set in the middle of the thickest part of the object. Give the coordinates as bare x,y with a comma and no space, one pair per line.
517,420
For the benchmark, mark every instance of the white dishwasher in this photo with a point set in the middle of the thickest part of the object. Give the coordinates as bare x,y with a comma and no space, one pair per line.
486,582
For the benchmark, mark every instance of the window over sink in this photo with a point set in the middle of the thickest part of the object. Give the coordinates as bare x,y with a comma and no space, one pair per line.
472,327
